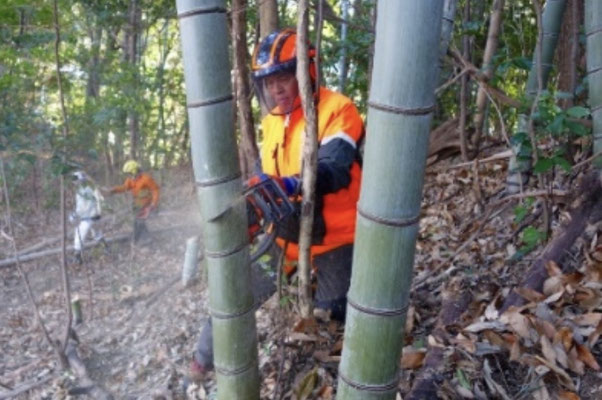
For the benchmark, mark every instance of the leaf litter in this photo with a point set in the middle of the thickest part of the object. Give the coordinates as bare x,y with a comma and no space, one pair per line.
548,348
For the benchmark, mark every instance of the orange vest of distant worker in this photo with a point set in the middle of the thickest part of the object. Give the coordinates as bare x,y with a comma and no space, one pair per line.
144,189
281,152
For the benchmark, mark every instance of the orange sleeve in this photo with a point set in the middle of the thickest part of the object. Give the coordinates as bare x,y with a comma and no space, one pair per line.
127,185
347,124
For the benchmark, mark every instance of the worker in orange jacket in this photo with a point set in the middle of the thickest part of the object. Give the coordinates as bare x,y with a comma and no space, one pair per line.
145,192
340,130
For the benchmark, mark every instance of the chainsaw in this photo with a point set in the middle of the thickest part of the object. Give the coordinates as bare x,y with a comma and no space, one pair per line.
267,208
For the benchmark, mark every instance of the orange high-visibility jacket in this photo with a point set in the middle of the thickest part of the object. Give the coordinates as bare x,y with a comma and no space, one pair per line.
144,189
340,127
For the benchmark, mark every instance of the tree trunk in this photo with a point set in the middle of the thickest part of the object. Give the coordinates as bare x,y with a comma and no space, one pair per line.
249,151
343,63
204,36
268,17
399,118
131,56
464,90
593,20
495,22
518,168
447,28
310,158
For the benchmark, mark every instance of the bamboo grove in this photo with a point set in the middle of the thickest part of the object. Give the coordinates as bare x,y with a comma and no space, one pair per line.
167,82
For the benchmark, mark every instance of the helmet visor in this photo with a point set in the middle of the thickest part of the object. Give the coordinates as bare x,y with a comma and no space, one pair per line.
278,93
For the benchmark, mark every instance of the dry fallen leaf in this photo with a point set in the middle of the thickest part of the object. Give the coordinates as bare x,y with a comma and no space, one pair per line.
566,395
564,336
325,356
575,364
307,384
548,350
595,335
326,393
564,378
541,393
482,325
412,358
588,319
553,284
529,294
553,268
518,322
586,356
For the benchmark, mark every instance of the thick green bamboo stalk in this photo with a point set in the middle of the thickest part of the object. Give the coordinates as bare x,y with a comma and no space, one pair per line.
593,32
401,105
204,37
447,27
552,20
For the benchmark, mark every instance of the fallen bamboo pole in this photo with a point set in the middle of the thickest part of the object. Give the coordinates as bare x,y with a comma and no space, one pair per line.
50,252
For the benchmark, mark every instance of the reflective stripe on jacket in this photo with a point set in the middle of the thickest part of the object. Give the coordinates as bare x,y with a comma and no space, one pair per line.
340,128
144,189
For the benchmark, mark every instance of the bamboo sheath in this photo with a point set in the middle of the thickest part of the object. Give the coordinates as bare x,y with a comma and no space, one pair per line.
593,32
399,118
552,20
205,47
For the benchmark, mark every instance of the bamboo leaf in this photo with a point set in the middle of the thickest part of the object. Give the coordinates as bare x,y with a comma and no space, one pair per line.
307,384
462,379
577,112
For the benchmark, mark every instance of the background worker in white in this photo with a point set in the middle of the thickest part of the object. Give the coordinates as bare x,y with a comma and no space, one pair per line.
87,210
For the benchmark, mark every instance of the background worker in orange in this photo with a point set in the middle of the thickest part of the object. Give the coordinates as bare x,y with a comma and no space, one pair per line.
340,128
145,192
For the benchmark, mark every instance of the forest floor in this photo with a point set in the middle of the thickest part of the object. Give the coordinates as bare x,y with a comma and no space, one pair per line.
139,331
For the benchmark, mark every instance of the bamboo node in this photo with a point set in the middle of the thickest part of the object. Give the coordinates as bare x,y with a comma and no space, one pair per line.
225,253
400,110
380,312
382,388
219,180
221,315
210,102
199,11
398,223
234,372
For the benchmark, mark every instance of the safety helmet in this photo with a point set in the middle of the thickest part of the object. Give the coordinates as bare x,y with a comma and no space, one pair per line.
131,167
79,176
277,53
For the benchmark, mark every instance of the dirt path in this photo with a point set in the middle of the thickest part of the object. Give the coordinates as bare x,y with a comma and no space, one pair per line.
132,348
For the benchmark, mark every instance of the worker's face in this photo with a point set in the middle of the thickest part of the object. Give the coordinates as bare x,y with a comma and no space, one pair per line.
283,89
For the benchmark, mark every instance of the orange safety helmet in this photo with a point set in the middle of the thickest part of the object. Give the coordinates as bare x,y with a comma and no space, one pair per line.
276,53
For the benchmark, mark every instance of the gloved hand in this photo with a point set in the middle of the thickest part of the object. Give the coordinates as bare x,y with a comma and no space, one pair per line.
291,185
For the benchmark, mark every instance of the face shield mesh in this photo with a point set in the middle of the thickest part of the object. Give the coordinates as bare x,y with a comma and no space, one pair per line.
268,104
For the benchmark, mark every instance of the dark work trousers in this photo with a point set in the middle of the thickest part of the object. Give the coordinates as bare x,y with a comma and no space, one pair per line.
140,229
334,277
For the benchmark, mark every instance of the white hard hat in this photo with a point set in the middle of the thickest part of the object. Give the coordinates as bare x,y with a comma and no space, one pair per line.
79,176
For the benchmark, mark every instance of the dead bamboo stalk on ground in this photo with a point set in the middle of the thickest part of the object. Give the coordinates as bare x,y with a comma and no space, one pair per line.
119,237
589,210
426,383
